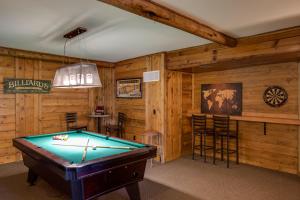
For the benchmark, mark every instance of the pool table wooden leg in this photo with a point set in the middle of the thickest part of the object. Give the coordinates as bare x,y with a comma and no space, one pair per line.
31,177
133,191
76,190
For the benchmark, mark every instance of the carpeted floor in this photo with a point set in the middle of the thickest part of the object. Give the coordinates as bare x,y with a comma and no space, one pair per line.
183,179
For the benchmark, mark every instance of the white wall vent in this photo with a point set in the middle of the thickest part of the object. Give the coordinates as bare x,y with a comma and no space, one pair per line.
151,76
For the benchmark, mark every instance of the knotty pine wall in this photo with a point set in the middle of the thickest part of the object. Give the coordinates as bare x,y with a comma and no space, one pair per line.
140,115
133,108
214,63
149,113
104,96
167,97
187,105
31,114
278,149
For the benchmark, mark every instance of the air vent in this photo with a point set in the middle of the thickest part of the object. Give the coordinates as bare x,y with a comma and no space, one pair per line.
151,76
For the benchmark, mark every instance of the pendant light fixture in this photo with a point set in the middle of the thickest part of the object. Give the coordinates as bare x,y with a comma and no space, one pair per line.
78,75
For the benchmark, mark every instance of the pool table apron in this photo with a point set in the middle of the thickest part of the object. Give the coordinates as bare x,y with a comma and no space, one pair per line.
90,186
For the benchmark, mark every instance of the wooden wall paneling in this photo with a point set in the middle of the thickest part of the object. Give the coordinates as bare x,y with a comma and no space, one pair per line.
174,115
255,80
187,107
30,114
18,53
278,149
149,112
37,100
103,96
298,118
52,107
7,112
133,108
160,109
92,104
154,95
155,99
20,100
107,93
59,101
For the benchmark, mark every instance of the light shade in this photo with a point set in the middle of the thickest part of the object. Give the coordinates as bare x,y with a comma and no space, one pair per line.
79,75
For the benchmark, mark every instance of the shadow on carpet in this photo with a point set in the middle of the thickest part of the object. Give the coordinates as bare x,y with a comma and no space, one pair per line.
16,188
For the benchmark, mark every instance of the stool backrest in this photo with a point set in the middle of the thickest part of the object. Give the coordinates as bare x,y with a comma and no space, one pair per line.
71,118
221,123
199,122
121,119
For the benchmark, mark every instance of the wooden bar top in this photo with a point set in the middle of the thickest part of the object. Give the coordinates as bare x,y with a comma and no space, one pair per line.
261,119
99,115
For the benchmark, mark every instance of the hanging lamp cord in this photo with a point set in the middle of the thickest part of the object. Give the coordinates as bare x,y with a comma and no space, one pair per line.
65,47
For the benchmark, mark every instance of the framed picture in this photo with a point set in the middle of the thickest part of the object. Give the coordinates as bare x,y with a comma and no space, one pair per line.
129,88
223,98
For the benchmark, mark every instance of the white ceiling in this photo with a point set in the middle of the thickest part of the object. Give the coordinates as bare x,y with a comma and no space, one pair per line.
115,35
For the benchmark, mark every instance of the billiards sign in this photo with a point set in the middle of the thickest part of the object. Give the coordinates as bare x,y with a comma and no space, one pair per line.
26,86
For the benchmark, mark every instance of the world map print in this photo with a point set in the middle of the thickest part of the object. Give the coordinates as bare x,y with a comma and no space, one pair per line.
221,98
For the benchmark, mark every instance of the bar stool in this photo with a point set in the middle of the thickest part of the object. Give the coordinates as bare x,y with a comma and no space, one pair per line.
200,130
154,138
221,127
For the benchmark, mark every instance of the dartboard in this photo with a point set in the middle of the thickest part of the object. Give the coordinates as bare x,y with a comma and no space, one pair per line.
275,96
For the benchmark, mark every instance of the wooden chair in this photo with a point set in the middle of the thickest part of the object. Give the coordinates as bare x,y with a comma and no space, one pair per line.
199,128
71,120
221,126
119,127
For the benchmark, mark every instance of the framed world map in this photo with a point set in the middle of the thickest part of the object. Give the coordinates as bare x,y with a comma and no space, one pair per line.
225,99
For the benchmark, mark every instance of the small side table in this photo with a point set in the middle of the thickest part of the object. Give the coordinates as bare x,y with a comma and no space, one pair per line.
98,119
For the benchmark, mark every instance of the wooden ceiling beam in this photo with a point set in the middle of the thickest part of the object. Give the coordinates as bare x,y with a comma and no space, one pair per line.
5,51
270,48
159,13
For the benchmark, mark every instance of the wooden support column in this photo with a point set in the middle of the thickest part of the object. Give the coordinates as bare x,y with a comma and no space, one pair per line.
299,118
174,115
155,116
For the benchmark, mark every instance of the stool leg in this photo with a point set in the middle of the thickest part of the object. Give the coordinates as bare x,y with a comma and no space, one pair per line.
193,147
227,149
237,142
160,147
151,142
214,149
204,146
222,149
201,142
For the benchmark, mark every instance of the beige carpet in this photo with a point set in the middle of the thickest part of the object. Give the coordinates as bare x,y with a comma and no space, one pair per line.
206,181
183,179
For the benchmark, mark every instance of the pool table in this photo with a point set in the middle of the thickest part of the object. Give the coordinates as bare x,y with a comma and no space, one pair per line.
120,163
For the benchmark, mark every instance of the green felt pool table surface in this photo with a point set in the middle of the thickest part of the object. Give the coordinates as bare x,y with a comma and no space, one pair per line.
74,154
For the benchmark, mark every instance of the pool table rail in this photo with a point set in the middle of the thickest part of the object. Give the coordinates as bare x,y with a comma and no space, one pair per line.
89,179
78,170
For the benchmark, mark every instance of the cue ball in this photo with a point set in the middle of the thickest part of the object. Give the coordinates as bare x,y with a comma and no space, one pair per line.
94,147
